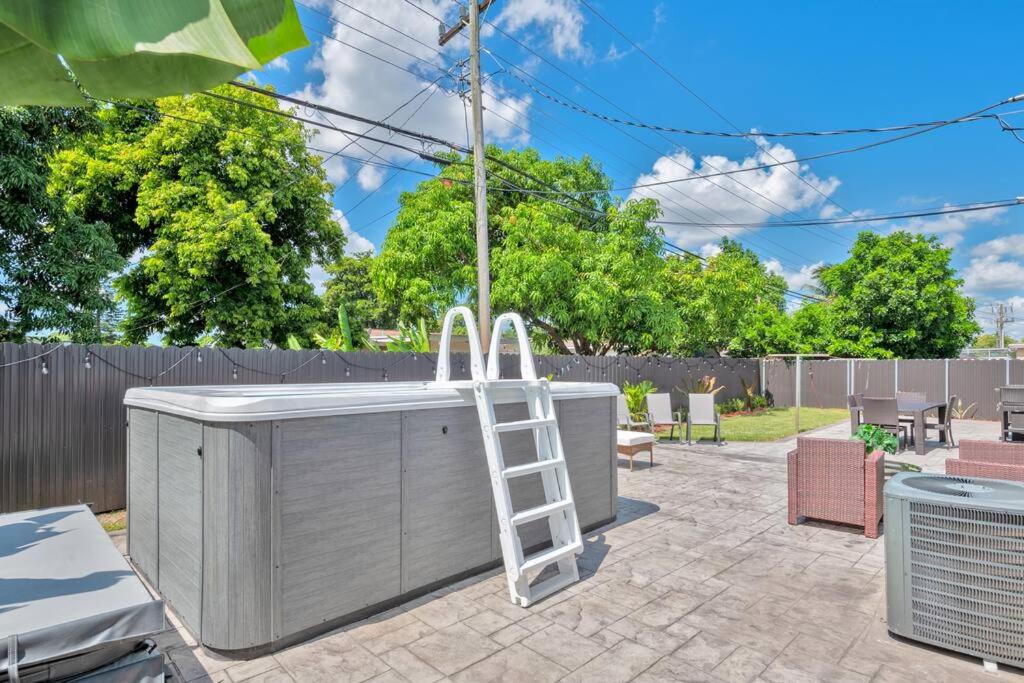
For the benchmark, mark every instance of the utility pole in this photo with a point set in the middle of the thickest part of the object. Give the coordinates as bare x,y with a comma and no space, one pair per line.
483,269
1002,318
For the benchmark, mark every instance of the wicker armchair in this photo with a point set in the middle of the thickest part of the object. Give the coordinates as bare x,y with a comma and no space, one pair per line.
834,481
989,460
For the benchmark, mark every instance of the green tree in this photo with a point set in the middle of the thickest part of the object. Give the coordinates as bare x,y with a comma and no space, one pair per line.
349,285
224,207
587,276
719,297
902,288
896,296
989,341
53,266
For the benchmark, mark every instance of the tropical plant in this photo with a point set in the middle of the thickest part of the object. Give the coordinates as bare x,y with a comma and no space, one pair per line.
151,48
732,405
636,397
961,413
413,338
703,385
342,338
877,438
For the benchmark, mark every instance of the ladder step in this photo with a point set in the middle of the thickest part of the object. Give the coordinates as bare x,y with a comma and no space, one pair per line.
519,425
531,468
546,557
541,512
549,586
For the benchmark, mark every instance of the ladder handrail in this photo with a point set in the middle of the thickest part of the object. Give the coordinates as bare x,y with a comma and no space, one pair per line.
476,356
527,369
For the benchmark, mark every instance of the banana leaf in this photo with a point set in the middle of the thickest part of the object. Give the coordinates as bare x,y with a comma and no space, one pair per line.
136,49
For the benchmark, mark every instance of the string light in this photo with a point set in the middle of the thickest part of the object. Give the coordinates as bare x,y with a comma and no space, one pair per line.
199,357
348,372
88,361
234,372
45,370
385,375
323,358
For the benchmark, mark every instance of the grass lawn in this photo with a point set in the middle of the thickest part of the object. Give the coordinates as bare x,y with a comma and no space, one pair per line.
112,521
769,425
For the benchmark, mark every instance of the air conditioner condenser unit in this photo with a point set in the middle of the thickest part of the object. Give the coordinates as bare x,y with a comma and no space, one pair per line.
954,556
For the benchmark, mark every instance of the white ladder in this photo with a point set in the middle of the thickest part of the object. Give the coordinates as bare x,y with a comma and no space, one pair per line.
559,508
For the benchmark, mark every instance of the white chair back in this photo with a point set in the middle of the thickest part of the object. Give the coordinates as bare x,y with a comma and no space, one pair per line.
622,409
702,409
660,408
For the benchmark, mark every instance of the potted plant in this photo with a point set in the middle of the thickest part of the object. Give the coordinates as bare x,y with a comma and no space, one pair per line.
876,438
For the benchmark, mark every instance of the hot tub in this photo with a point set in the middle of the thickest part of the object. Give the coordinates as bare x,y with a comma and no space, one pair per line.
267,514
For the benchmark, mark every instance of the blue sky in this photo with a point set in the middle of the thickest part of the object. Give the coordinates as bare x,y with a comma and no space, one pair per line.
765,66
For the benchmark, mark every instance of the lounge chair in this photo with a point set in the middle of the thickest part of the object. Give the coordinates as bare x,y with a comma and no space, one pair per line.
659,414
624,418
702,412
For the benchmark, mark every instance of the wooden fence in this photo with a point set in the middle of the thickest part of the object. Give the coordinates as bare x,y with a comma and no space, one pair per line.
62,436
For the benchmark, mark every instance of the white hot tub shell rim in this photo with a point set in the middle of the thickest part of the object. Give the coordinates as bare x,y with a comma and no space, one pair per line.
261,402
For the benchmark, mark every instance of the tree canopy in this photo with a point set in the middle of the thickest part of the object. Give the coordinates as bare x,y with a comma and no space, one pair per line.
718,297
585,271
895,296
221,208
53,265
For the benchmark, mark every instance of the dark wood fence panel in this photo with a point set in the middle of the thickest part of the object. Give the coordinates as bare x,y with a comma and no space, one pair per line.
62,431
923,375
825,383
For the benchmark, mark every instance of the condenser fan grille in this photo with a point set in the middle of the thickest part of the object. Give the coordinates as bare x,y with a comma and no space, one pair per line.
967,576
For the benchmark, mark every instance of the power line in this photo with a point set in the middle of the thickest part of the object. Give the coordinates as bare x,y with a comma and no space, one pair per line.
569,104
951,209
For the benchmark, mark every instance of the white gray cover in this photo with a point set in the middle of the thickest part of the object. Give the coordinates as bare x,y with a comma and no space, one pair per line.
65,590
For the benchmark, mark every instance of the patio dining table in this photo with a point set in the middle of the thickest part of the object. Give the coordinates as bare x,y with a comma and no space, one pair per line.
915,408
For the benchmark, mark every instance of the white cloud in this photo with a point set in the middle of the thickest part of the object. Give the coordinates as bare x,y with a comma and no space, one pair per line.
370,177
796,280
560,19
1011,245
950,226
279,64
992,272
711,249
353,81
737,196
356,243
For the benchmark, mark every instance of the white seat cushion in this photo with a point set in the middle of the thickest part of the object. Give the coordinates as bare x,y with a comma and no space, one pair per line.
624,438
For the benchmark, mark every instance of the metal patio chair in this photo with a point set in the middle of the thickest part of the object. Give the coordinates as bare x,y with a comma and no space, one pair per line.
659,414
702,412
624,419
884,412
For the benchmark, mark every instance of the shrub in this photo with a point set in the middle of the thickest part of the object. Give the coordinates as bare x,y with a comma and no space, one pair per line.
636,395
732,405
876,438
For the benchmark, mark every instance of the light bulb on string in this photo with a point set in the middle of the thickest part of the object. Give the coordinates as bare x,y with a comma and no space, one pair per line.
323,358
199,356
88,361
385,375
348,371
234,372
45,370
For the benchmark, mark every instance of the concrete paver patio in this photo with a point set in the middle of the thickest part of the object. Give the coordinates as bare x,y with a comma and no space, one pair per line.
700,579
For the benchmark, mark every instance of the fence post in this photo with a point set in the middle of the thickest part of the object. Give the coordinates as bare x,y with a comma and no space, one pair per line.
1007,371
896,373
798,385
947,381
761,377
849,377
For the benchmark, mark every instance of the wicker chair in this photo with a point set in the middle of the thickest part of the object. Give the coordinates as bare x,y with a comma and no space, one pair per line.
989,460
832,480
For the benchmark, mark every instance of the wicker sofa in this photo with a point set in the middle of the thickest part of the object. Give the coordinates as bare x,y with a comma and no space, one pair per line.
833,480
989,460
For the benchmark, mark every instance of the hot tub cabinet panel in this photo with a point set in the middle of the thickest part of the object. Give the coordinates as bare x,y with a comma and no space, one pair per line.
263,532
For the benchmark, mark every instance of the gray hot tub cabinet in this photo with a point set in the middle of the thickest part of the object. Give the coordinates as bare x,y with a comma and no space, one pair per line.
267,514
